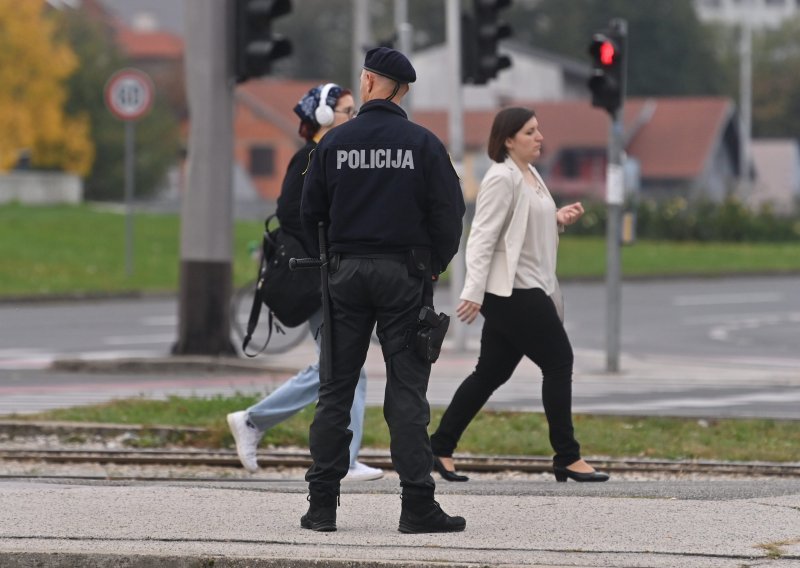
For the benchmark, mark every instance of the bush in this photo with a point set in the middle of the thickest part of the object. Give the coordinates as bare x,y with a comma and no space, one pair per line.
680,220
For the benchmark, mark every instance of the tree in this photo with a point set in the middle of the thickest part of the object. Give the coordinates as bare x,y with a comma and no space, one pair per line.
670,52
34,66
327,53
776,81
157,135
323,53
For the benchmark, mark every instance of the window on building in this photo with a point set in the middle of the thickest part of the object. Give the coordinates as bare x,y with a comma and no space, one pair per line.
262,161
776,2
570,164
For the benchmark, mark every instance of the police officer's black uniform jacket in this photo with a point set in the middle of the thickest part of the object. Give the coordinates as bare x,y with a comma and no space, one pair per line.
384,184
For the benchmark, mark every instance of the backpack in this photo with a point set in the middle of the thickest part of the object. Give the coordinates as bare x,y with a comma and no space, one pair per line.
291,297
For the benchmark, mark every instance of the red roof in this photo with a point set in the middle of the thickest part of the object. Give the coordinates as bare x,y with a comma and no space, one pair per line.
150,44
671,137
680,136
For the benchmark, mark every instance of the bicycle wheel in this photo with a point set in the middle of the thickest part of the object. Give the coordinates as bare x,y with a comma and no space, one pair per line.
241,303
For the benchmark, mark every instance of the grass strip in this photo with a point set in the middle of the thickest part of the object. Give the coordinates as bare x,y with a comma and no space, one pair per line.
496,433
81,249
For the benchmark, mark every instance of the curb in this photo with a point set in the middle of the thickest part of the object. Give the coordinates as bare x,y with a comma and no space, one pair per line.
188,363
99,560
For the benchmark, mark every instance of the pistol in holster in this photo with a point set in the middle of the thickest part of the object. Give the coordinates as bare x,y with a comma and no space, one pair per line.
431,328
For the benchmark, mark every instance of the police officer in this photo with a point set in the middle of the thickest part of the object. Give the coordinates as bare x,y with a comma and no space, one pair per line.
387,191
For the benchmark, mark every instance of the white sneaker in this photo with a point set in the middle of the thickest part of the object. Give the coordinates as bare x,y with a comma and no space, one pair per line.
362,472
246,437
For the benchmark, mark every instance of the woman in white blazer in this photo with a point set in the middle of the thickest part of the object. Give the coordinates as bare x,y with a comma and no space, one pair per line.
511,280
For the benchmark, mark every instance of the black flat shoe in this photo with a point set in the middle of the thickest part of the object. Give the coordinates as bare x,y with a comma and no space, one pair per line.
562,473
446,474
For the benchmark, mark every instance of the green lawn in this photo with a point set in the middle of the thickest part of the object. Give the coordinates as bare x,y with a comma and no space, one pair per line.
585,257
496,433
64,250
80,249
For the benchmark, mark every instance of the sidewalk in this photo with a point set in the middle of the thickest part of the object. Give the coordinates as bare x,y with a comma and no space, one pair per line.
723,524
680,523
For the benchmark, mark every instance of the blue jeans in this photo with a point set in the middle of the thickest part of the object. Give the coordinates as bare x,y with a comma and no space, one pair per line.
303,389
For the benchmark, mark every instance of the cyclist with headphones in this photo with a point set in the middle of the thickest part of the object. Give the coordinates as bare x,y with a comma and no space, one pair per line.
321,109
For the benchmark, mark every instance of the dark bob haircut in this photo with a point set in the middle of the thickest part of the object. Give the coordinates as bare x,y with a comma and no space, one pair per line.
506,124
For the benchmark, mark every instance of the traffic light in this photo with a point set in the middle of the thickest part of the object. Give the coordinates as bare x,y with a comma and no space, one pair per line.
480,34
607,82
255,45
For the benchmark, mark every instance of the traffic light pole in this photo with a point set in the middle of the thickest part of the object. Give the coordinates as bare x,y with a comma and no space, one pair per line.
607,83
206,208
615,195
455,121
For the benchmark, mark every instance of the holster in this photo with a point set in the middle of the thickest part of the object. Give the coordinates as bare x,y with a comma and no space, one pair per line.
426,337
431,329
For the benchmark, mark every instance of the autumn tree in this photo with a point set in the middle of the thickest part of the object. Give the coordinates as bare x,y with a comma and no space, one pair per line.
34,66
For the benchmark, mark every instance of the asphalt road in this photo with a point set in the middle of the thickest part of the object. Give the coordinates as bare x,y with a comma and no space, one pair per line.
754,318
728,324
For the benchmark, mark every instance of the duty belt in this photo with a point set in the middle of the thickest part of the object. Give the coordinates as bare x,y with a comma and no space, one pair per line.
396,256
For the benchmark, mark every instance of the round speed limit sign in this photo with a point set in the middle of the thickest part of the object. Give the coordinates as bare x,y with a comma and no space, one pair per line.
129,94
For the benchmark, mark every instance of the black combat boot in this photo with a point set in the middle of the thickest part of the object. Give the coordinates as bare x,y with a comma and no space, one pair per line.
321,515
421,514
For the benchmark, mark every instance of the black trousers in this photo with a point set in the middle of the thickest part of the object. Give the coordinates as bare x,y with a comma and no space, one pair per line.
364,291
524,324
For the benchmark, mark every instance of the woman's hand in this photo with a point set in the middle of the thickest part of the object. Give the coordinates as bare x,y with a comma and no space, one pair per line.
568,214
467,311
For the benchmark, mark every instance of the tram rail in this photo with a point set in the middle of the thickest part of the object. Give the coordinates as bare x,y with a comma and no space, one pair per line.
466,463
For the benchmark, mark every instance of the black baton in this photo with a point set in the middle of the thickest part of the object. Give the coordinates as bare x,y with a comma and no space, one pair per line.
326,362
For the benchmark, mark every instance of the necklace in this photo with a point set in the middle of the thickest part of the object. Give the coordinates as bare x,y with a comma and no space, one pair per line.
537,186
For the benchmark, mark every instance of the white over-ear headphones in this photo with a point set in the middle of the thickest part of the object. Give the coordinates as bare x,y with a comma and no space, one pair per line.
323,112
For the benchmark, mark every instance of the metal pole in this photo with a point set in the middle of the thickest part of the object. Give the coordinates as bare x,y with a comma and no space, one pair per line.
455,118
361,38
745,100
614,197
400,18
405,42
130,161
206,209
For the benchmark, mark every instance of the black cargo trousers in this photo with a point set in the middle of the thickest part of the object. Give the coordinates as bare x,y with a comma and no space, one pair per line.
366,289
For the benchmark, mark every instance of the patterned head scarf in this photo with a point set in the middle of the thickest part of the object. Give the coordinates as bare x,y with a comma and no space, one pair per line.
308,104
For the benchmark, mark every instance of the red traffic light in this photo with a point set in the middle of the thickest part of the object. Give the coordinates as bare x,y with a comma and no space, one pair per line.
607,82
607,52
604,50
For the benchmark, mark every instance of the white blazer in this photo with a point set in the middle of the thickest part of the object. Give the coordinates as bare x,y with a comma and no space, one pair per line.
498,233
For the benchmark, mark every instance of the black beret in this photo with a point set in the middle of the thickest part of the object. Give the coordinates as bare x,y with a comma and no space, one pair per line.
390,63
